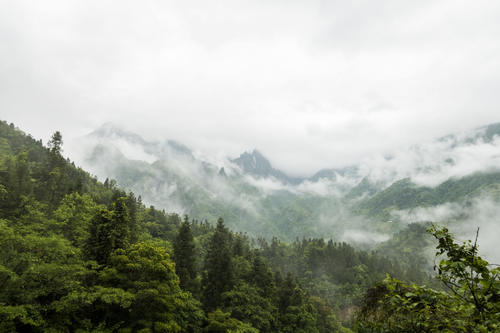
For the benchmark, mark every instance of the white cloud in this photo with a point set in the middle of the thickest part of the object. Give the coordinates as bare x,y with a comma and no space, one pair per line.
310,84
363,237
433,162
463,221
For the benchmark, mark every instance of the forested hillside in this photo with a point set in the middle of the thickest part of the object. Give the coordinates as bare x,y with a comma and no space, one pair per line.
77,255
404,194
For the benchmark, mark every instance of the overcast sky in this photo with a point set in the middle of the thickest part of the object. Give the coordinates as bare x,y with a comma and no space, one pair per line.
311,84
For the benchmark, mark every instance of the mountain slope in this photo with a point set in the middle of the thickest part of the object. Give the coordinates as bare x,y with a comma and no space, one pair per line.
405,194
263,201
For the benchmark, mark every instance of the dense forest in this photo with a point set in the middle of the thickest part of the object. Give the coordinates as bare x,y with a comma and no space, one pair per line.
78,255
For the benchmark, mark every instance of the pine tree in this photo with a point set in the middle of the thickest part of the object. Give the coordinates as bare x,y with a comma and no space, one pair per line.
98,246
219,273
262,277
184,257
55,143
296,314
121,224
108,232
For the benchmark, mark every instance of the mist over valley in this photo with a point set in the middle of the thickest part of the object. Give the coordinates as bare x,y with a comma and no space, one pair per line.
452,180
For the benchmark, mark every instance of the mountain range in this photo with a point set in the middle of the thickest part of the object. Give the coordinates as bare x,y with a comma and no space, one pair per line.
359,203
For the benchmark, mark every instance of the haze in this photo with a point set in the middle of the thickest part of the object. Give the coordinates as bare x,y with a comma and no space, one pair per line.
311,84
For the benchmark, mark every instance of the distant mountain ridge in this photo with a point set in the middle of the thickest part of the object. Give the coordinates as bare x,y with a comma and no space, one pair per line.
250,162
254,196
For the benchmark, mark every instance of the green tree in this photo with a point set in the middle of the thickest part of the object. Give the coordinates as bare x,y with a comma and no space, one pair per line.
56,176
246,303
100,242
108,231
185,257
17,185
295,312
469,277
158,304
73,217
218,266
121,224
326,320
471,305
55,143
221,322
36,274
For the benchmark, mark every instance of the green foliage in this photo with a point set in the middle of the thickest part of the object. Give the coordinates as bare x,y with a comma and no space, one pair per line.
77,255
146,271
472,305
73,217
411,248
36,272
55,143
100,242
326,318
109,231
221,322
185,257
246,303
218,266
469,277
393,306
404,194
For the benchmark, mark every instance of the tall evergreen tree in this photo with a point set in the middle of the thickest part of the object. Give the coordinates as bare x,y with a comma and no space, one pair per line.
121,224
98,246
109,231
219,271
296,314
55,143
184,257
263,277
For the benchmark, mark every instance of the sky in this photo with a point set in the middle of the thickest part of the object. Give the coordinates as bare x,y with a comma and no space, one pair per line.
311,84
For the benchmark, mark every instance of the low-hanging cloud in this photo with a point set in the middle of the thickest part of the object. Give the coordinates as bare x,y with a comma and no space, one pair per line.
358,236
311,84
435,161
463,220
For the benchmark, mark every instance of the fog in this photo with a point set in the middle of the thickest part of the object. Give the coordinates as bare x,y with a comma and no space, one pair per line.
427,163
163,172
433,161
310,84
363,237
463,220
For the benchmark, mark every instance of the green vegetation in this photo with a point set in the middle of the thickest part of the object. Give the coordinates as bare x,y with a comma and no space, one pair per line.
77,255
410,247
253,197
472,303
404,194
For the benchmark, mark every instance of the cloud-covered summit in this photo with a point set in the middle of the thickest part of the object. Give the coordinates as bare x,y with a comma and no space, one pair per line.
256,164
428,163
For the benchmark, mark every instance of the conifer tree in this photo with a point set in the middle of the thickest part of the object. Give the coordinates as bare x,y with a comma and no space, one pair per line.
262,277
219,274
184,257
55,143
109,231
98,246
121,224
